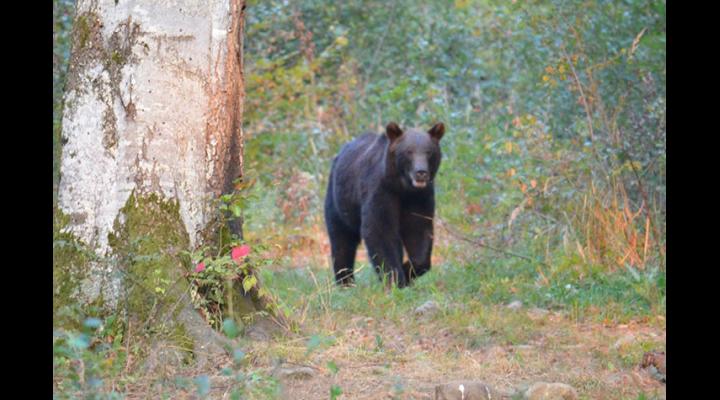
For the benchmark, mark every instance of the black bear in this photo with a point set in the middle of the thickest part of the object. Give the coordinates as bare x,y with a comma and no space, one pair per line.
381,191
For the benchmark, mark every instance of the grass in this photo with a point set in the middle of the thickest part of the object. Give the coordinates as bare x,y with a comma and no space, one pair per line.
572,316
570,328
617,296
373,330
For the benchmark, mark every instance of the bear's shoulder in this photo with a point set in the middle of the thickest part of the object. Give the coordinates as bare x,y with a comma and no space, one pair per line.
368,138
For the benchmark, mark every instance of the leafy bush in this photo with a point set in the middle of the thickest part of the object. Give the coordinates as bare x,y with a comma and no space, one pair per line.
84,360
555,112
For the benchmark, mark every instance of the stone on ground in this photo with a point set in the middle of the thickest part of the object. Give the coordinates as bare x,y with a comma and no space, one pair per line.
550,391
467,390
428,308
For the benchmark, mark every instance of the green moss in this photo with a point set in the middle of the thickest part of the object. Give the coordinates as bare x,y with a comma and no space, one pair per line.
242,304
148,238
182,339
57,151
71,260
118,51
83,29
117,58
87,48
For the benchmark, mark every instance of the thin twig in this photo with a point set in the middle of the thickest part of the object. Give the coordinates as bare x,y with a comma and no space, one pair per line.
646,200
480,243
582,93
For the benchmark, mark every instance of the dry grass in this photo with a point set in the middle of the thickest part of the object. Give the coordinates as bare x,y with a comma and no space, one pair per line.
384,351
418,354
615,234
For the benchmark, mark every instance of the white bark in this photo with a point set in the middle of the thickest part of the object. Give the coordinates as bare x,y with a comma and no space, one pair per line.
166,120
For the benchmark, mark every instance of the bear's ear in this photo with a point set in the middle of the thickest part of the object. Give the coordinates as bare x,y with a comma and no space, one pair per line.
437,131
393,131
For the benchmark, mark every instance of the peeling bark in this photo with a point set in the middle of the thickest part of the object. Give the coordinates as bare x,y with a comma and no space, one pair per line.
163,83
152,118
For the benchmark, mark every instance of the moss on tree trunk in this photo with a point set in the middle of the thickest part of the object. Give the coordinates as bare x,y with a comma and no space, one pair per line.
70,260
148,240
153,107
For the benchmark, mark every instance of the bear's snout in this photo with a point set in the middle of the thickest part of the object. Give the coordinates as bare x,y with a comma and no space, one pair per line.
420,179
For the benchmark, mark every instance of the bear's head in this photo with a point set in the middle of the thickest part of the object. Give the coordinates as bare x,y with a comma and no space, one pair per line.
415,154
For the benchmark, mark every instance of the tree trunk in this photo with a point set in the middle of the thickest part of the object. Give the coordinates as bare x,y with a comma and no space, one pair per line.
152,134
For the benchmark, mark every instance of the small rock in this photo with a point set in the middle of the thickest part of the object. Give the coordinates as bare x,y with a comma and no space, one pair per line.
515,305
624,341
427,309
380,370
550,391
521,388
654,362
656,374
293,372
655,358
257,333
466,390
522,347
537,313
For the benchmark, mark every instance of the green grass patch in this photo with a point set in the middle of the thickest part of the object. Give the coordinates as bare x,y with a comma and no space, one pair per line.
617,296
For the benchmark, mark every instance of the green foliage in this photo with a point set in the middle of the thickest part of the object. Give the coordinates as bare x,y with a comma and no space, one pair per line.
555,113
215,276
319,341
335,392
592,294
255,385
234,204
246,384
85,359
230,328
332,367
379,343
203,385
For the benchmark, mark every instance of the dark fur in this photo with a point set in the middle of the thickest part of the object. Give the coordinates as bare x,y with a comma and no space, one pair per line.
371,196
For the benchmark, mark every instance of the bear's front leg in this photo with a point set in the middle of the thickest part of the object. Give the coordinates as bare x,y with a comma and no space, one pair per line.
381,233
416,230
385,252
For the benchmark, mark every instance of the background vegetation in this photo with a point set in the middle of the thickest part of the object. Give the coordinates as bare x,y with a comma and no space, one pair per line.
555,112
552,187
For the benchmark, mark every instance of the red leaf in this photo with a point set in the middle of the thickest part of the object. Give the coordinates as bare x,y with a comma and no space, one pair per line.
240,251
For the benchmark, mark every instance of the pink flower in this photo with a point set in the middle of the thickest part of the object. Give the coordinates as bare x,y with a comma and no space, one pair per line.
200,267
240,251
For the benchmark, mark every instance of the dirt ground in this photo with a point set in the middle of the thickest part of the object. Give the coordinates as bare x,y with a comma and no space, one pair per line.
600,360
410,364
